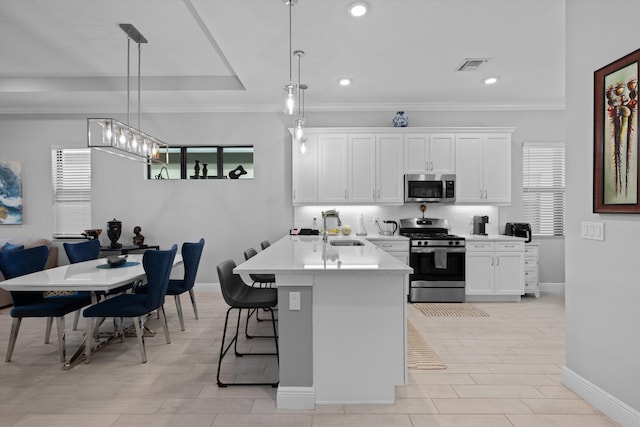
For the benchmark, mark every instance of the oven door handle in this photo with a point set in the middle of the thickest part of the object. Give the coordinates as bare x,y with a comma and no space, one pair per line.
424,250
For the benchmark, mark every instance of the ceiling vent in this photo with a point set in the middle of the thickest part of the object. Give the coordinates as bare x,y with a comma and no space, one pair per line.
472,64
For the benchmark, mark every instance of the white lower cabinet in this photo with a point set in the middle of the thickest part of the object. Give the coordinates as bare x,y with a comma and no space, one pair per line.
397,248
531,269
494,268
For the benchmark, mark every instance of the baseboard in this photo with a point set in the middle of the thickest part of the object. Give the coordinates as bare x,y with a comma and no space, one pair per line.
296,398
607,403
551,285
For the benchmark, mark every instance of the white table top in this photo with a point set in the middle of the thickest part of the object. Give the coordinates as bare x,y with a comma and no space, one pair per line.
83,276
295,254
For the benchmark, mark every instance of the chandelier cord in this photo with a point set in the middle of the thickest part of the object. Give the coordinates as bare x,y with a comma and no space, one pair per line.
139,60
128,78
290,43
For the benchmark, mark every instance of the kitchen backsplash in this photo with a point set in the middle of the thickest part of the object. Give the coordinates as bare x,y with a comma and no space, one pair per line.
458,216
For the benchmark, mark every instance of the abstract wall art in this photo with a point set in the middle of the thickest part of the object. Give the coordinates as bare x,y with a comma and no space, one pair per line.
616,174
10,193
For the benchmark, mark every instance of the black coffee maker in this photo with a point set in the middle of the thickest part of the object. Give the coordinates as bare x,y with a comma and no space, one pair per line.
518,229
479,225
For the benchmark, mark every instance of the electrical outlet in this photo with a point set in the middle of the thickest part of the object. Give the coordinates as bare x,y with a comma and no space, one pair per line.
376,219
294,300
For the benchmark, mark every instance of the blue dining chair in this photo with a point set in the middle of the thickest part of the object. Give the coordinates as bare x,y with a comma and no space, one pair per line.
35,304
191,254
80,252
157,267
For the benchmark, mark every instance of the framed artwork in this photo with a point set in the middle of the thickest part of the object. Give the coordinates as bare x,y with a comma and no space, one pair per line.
615,169
10,193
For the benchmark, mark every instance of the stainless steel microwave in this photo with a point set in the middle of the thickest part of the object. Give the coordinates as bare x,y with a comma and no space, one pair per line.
430,188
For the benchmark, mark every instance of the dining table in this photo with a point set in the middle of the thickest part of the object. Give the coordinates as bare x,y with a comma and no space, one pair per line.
93,276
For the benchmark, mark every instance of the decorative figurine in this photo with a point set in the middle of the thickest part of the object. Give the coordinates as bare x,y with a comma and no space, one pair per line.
235,174
114,228
196,170
138,239
400,120
205,171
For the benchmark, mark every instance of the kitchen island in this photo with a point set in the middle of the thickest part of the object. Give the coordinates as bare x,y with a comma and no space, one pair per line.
342,320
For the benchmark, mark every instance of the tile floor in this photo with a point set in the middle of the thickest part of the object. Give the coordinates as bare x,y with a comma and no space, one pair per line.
503,370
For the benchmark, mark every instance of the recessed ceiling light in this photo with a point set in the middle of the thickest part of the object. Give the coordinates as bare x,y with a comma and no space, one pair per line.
491,80
358,9
346,81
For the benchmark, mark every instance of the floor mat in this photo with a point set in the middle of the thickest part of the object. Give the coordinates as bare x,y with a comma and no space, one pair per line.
449,310
419,354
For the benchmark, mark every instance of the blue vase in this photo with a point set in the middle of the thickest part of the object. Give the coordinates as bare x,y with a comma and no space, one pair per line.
400,120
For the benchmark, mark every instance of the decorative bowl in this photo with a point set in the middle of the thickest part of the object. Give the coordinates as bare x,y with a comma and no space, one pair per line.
92,233
116,260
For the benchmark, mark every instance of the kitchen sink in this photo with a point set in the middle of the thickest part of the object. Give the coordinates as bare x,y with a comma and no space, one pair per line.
346,243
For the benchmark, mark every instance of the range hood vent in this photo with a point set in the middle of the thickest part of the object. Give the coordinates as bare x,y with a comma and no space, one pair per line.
472,64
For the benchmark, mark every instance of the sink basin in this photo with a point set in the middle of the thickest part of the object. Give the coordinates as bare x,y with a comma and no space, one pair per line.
346,243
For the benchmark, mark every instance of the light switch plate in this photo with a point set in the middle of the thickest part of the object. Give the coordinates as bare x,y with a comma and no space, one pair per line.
592,230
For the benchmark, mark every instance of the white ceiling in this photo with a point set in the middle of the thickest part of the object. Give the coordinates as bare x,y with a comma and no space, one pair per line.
233,55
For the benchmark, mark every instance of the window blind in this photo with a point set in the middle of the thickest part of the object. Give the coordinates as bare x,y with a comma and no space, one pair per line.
71,181
543,187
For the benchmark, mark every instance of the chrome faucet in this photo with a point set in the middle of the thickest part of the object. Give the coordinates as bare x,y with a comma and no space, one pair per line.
325,214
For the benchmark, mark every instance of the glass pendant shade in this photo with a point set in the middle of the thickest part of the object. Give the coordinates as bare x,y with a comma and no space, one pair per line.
298,129
118,138
303,145
290,99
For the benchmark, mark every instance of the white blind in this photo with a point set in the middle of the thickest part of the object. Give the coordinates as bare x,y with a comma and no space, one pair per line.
71,180
543,187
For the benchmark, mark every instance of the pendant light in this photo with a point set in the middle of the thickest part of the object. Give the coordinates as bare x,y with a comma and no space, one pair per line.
290,89
122,139
298,123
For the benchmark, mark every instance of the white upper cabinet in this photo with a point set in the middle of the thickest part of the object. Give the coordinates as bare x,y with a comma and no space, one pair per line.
429,153
304,171
362,170
389,166
483,168
367,165
332,168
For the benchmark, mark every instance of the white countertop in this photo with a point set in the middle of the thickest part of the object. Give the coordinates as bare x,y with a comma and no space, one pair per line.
296,254
379,237
493,238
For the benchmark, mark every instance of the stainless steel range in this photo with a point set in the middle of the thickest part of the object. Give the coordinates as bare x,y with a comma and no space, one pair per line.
437,259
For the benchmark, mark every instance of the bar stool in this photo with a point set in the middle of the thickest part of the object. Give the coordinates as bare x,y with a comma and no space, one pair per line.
238,295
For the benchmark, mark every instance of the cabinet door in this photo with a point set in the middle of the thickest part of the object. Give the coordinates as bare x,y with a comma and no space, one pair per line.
304,172
416,153
441,153
389,162
497,170
362,168
479,273
509,273
468,155
332,167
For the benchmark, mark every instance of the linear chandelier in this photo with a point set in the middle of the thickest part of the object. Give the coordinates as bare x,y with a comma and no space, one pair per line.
122,139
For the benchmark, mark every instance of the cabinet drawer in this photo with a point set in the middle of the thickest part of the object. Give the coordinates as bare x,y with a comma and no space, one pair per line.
531,251
530,276
392,246
530,262
480,247
511,246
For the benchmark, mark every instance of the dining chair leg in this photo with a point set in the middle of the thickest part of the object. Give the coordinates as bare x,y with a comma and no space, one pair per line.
47,331
137,322
192,295
75,320
164,324
89,338
15,327
61,338
179,310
